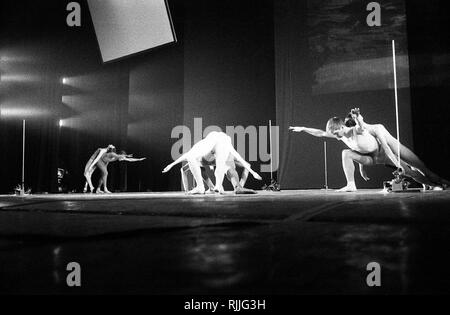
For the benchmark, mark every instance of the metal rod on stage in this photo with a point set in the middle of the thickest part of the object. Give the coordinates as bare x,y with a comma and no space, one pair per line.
270,145
22,189
325,163
396,100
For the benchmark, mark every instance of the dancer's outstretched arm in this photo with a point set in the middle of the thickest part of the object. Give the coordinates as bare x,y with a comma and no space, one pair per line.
179,160
128,159
245,164
315,132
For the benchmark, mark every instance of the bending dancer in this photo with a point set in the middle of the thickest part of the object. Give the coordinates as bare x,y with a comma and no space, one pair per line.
91,165
370,145
207,164
218,144
102,165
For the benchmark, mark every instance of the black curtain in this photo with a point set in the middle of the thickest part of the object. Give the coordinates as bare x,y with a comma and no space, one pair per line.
293,90
36,94
327,61
38,50
429,48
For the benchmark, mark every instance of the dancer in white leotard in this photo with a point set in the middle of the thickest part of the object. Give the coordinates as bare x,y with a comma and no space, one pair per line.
219,144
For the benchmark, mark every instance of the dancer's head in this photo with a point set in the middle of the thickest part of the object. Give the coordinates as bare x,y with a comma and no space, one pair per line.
335,126
111,148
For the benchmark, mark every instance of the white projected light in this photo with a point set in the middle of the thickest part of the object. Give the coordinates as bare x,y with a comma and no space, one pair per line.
127,27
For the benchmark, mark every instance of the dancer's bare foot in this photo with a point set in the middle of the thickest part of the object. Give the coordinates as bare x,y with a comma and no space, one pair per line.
86,190
219,189
244,191
435,188
351,187
197,191
99,191
107,191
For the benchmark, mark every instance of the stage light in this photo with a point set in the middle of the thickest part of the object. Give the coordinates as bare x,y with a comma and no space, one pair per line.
22,112
61,123
64,80
20,78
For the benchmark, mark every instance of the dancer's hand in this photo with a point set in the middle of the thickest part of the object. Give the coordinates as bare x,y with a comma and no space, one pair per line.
363,173
297,129
256,175
166,169
356,114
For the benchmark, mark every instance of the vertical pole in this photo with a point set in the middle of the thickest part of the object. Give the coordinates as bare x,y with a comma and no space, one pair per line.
396,100
126,178
325,163
22,190
270,145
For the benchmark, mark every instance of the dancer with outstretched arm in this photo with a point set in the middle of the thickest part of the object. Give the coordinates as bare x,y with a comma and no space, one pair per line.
101,162
370,145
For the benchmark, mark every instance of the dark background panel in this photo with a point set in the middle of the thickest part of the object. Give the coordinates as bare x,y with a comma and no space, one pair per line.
429,53
229,66
156,106
326,41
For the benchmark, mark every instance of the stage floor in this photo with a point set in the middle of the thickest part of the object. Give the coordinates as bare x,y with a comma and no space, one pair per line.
289,242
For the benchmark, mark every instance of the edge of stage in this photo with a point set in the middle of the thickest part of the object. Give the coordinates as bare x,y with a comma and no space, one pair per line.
83,215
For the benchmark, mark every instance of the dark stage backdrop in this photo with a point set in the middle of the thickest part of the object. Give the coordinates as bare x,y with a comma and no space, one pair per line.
229,70
38,50
221,70
328,60
429,48
155,107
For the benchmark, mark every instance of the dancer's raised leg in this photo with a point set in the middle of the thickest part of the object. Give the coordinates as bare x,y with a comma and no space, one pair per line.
410,158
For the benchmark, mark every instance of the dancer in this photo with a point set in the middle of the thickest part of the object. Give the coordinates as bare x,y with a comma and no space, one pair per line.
370,145
102,164
91,165
216,143
207,168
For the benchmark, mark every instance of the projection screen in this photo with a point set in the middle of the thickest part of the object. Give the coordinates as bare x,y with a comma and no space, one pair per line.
128,27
